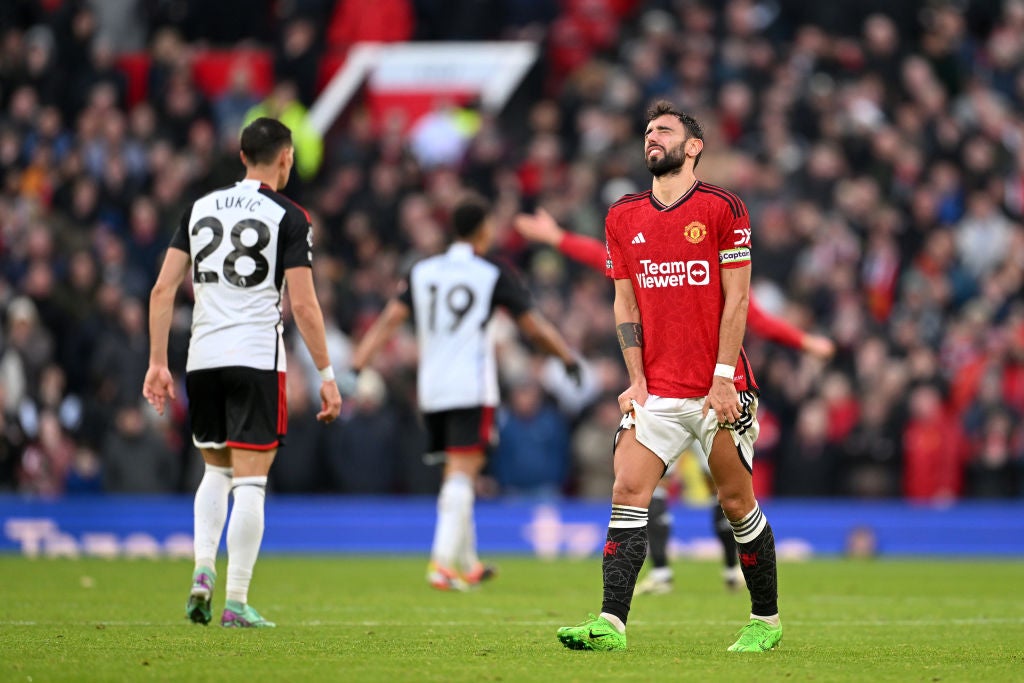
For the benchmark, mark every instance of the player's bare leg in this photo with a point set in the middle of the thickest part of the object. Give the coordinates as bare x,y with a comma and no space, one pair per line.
245,534
454,517
755,542
637,471
732,575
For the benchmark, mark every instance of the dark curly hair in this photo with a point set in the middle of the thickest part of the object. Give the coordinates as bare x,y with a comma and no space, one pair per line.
693,127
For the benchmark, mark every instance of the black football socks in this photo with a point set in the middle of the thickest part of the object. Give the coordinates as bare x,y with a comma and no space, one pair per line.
757,559
624,553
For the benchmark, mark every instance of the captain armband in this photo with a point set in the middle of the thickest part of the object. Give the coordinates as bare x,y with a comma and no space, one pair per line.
630,335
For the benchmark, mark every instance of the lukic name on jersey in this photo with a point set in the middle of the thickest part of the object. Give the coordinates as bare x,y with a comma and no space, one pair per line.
238,202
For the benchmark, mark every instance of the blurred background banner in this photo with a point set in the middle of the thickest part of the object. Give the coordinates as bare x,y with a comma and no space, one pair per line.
408,80
126,526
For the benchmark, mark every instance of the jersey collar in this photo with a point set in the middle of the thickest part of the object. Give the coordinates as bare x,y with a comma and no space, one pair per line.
252,183
668,207
461,250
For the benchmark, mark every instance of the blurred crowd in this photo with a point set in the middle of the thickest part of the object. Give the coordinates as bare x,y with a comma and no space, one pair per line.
878,146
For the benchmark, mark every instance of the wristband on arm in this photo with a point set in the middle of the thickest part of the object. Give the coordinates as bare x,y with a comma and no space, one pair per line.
726,371
630,335
327,374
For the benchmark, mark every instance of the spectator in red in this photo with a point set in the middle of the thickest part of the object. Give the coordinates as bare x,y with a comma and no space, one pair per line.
934,451
544,169
841,405
382,21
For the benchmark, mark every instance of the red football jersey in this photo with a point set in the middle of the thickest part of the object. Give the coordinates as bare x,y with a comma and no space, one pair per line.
673,255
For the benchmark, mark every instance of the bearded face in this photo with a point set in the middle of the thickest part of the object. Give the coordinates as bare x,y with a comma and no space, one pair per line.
661,161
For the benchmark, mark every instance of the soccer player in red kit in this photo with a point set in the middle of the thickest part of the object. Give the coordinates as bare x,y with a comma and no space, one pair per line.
679,255
542,227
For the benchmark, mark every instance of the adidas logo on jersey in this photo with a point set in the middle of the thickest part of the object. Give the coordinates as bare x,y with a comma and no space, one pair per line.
639,239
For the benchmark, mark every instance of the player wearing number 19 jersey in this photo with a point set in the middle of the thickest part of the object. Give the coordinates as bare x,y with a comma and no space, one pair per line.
239,246
451,298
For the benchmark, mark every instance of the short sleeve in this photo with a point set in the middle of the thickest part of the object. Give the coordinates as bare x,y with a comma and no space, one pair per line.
734,238
510,291
615,265
296,239
180,239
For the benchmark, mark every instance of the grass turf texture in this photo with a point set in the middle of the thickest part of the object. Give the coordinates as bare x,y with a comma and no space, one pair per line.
374,619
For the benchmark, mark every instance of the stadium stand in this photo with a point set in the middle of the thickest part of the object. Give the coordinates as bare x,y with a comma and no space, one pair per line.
878,146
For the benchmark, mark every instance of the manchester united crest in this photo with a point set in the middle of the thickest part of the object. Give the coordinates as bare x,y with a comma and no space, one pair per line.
695,232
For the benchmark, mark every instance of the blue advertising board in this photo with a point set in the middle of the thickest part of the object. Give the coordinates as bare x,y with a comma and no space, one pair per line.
114,526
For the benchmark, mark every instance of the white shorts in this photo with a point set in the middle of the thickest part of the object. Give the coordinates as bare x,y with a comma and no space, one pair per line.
668,426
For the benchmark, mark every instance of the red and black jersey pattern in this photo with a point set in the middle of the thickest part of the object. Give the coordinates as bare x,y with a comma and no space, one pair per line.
674,256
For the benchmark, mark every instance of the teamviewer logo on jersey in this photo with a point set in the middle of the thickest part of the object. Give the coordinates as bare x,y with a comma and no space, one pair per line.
657,274
697,272
639,239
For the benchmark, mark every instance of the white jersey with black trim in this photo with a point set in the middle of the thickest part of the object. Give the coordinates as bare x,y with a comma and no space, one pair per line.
241,239
452,297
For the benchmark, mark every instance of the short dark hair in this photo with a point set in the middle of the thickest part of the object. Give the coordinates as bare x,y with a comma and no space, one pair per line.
693,127
263,139
469,214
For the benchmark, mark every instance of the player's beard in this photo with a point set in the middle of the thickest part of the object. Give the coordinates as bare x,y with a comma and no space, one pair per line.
671,161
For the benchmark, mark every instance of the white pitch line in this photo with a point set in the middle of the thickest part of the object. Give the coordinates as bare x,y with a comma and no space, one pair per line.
866,623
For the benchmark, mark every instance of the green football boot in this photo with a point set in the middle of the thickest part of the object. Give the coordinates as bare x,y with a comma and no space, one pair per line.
197,608
237,615
757,636
596,633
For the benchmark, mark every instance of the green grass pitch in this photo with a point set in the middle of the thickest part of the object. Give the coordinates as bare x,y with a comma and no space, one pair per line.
372,619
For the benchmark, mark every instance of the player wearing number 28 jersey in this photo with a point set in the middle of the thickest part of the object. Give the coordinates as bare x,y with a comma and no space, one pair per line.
238,246
241,239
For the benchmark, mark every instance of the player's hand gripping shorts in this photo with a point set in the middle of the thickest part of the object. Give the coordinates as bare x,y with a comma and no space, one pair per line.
670,426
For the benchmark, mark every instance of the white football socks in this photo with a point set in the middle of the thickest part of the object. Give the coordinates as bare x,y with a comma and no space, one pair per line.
468,559
773,620
454,508
614,621
245,533
210,511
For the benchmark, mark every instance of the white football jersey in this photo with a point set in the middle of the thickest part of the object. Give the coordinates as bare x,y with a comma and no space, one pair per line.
241,239
452,297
